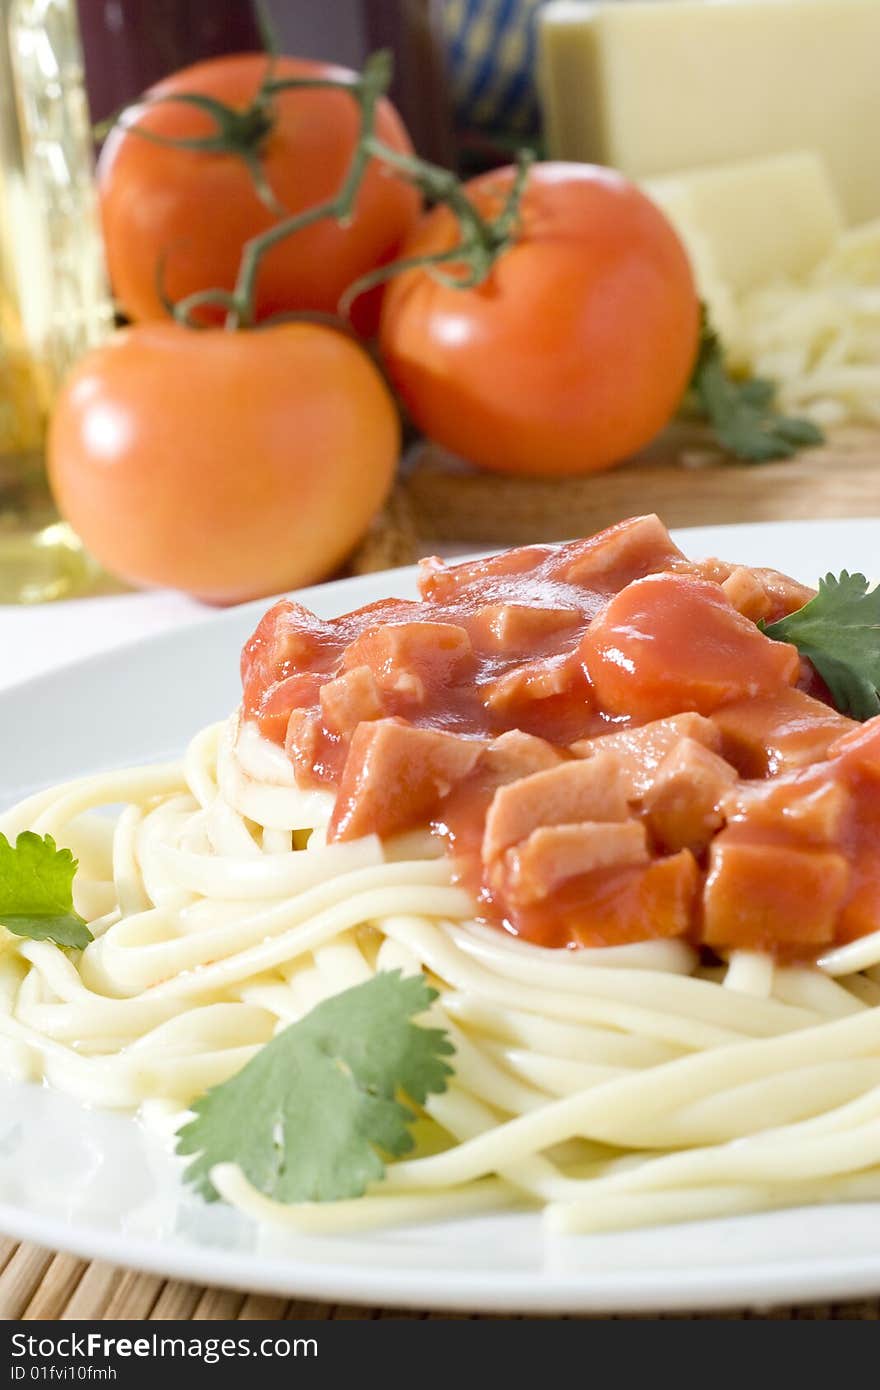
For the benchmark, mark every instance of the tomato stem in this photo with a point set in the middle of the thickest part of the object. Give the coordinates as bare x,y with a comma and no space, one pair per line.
482,239
266,27
367,91
240,133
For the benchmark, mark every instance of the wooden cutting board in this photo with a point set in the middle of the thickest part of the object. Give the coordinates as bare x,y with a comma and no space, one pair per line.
684,477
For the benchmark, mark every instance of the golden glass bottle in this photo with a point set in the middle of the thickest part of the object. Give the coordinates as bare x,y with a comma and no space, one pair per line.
54,299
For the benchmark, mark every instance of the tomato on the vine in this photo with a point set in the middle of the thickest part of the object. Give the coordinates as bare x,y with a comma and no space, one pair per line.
577,347
228,464
181,216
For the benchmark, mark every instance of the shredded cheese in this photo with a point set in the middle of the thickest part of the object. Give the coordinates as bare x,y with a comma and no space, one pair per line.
818,338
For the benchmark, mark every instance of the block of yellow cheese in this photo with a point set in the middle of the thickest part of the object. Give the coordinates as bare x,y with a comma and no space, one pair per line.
760,220
674,197
652,88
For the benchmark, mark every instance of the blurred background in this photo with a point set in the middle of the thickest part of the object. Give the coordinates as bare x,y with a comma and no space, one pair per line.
750,126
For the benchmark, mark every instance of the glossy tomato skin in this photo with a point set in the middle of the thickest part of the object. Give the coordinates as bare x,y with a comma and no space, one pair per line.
197,209
229,465
574,352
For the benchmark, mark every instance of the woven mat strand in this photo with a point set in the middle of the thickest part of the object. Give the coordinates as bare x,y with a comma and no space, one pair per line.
37,1284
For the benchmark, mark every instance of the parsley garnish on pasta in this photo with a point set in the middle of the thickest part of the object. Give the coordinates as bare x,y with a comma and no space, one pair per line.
839,631
36,891
310,1116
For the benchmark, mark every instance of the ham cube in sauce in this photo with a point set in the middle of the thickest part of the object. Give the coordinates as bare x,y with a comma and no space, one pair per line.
607,742
669,642
396,775
555,854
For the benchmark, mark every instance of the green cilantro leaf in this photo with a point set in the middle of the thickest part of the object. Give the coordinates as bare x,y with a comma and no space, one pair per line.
839,630
311,1114
742,413
36,891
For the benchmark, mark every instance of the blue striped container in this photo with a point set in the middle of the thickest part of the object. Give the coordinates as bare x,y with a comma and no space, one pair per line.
491,53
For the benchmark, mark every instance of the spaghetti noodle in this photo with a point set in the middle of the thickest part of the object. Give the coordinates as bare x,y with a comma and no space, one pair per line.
615,1086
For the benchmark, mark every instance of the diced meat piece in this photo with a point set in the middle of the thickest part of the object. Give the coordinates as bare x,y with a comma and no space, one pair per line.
859,747
535,680
682,803
644,747
819,816
519,627
517,754
781,594
395,775
351,699
744,590
669,643
711,569
306,747
292,693
814,810
786,595
382,612
409,687
441,583
775,732
431,568
861,916
640,903
299,636
550,698
616,556
758,896
405,656
289,641
554,853
591,789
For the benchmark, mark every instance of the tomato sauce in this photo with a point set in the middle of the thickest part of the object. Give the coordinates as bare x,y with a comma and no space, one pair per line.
609,745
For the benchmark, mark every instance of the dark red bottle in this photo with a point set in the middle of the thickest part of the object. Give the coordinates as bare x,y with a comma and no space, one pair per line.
130,44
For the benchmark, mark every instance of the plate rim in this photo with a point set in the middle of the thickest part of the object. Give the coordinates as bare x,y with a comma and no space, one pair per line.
658,1290
260,606
761,1283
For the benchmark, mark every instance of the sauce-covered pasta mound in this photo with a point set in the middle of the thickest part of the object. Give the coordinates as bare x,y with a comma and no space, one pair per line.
316,948
610,745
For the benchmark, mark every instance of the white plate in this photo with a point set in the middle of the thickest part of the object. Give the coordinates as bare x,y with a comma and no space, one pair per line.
98,1185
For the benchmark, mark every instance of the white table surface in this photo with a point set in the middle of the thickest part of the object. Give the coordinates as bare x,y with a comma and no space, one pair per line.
35,638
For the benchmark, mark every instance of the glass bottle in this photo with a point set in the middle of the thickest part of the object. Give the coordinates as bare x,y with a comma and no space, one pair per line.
54,298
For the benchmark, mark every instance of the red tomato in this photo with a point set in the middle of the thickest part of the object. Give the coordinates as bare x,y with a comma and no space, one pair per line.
196,209
577,348
231,465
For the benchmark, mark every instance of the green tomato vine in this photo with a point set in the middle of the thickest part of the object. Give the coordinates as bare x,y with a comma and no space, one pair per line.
243,132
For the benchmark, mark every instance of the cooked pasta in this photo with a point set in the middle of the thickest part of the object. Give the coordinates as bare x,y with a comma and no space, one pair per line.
617,827
613,1087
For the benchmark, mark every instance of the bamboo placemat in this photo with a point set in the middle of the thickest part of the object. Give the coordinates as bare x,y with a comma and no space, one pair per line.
684,479
37,1284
